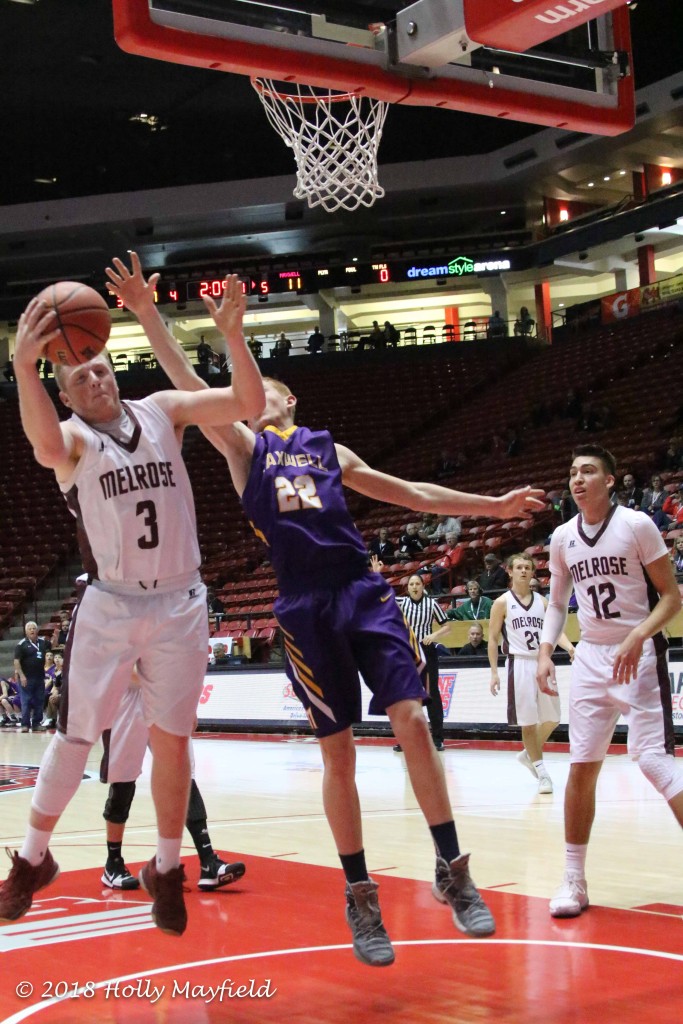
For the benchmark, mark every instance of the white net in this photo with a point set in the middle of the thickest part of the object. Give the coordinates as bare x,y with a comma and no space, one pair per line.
335,138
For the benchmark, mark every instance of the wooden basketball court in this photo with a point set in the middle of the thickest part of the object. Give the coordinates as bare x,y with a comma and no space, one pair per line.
275,946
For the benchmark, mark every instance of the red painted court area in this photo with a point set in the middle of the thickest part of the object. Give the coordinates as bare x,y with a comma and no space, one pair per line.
276,948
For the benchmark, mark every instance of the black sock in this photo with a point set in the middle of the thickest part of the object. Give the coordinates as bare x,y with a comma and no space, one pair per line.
354,866
199,831
114,852
446,840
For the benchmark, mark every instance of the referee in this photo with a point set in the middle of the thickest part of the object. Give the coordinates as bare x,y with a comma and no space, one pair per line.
420,612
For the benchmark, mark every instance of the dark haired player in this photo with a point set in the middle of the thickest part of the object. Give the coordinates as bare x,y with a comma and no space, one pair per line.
619,567
338,618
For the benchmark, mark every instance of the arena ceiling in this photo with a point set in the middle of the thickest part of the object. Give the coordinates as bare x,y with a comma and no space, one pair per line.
209,181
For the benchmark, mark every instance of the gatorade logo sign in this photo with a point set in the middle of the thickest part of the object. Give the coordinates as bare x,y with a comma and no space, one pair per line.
620,306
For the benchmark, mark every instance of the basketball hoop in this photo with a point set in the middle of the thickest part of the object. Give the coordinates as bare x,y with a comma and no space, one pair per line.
335,137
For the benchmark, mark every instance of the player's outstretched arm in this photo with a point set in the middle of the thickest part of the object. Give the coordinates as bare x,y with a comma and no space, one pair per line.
228,316
426,497
137,295
55,445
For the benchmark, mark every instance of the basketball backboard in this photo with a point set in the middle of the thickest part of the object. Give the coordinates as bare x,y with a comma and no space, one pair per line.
500,58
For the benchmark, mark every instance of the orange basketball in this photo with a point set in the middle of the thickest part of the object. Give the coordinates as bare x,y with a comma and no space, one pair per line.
83,322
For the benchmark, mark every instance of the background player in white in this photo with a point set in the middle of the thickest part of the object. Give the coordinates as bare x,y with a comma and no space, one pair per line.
121,470
621,572
517,616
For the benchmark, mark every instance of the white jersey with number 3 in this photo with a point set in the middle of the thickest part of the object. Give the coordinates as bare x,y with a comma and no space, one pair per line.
523,624
607,564
133,501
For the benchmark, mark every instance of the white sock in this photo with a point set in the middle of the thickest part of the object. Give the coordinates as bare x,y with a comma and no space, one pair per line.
168,854
35,846
575,860
540,767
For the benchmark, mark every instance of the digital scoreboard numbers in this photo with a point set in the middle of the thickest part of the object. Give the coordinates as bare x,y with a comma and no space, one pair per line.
310,281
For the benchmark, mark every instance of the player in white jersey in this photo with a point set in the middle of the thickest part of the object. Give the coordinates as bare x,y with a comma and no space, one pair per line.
618,564
517,617
120,467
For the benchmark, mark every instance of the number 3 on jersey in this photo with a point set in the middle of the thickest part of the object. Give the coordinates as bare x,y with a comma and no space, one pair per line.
297,493
151,538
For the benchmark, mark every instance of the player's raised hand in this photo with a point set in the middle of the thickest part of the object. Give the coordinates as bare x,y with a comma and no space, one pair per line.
229,313
130,286
520,503
37,327
376,564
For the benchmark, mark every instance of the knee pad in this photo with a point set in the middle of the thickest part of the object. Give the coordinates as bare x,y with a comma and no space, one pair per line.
663,772
196,811
117,807
60,775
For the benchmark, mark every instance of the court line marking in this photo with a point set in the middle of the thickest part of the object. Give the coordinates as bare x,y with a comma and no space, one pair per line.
31,1011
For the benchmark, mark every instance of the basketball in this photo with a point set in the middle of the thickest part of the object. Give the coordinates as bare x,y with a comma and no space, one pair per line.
83,322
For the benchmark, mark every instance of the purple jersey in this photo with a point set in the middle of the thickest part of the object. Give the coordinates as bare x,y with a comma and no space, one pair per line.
295,503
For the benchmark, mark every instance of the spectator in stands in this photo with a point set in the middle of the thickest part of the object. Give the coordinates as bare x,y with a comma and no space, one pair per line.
383,547
497,327
568,507
441,569
677,556
475,606
392,335
445,525
632,494
204,354
8,371
10,702
673,508
427,525
316,341
29,668
282,347
255,347
654,497
524,325
410,546
475,648
61,631
52,708
215,605
673,459
494,578
421,612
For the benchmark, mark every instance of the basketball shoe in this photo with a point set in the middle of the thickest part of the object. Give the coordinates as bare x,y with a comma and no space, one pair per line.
371,944
453,885
117,876
216,873
168,910
570,899
24,879
524,759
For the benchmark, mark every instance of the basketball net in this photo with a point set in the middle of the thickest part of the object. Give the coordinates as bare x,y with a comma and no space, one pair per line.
335,138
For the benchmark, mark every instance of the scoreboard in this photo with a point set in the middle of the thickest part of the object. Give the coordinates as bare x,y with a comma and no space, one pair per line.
309,281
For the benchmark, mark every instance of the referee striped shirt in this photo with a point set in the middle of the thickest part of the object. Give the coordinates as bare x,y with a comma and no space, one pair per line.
420,615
